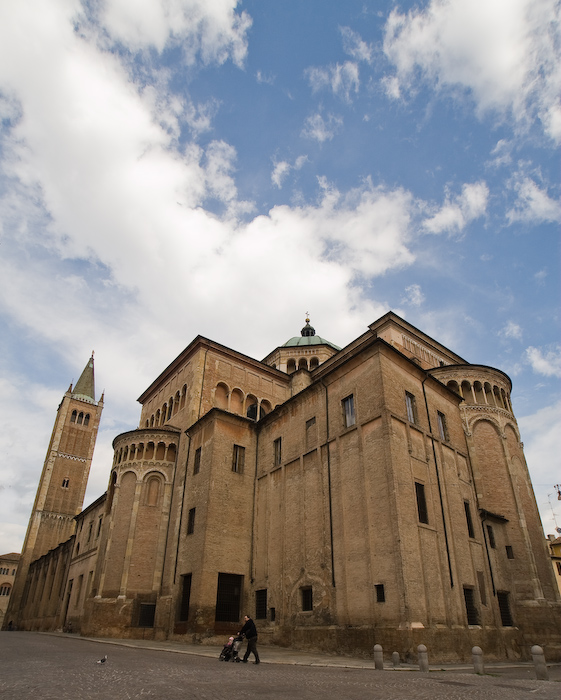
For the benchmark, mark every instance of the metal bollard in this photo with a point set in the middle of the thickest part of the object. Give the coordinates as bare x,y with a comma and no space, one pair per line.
396,660
423,657
538,658
477,658
378,657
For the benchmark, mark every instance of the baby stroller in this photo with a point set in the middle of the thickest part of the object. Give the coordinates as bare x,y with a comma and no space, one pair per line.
230,651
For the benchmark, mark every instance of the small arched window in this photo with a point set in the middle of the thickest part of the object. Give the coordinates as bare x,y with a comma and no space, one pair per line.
87,419
73,416
80,418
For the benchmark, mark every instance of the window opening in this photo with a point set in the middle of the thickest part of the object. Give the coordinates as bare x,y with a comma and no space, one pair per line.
469,521
197,465
228,598
411,407
504,608
442,427
380,593
238,459
65,483
349,411
421,503
185,598
509,552
471,610
73,416
147,615
307,598
491,534
273,614
191,522
277,452
261,604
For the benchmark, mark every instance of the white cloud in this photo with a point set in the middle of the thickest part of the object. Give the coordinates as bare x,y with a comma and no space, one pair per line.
533,204
210,30
511,330
540,276
547,363
457,212
283,168
320,129
267,79
504,52
413,295
355,46
342,80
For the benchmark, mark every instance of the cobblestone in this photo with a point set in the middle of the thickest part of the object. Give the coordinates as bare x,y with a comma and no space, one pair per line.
41,666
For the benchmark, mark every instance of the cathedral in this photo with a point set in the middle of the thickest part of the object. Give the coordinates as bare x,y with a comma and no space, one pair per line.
342,497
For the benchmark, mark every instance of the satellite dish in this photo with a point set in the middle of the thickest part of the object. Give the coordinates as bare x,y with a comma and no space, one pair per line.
558,529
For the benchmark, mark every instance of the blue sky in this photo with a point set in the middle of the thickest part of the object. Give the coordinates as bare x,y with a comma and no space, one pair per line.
214,167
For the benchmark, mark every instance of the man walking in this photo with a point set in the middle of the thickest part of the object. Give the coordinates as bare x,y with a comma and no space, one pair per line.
250,632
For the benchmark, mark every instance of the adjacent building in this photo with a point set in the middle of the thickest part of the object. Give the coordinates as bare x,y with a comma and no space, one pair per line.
342,497
8,567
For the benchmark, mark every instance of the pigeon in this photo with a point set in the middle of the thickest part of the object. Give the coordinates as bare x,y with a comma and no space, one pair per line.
102,661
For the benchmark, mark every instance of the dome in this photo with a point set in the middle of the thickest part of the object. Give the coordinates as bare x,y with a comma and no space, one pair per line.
308,337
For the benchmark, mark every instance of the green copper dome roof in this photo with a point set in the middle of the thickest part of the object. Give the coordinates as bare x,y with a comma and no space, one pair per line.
308,337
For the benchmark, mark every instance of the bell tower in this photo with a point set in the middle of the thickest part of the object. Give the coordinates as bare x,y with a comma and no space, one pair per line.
62,486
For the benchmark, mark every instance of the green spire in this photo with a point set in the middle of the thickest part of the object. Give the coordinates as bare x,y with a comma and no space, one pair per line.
85,386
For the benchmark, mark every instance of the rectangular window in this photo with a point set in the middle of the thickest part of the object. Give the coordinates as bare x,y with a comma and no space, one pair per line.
197,465
65,483
421,503
471,610
99,526
504,608
491,534
185,597
509,552
348,411
191,522
228,598
261,604
558,567
442,427
380,593
307,599
238,459
411,406
273,614
277,447
469,521
147,615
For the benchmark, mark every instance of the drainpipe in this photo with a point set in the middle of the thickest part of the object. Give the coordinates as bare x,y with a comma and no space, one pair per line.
439,486
329,483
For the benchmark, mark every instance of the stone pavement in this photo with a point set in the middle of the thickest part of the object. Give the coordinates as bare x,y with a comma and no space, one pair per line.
294,657
39,666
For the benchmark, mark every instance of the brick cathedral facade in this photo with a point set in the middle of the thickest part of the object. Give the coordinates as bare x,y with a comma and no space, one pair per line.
342,497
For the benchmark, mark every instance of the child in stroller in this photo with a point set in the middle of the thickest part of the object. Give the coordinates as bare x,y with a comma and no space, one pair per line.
230,651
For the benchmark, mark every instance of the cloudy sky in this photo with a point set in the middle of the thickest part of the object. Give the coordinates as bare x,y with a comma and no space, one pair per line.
171,168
